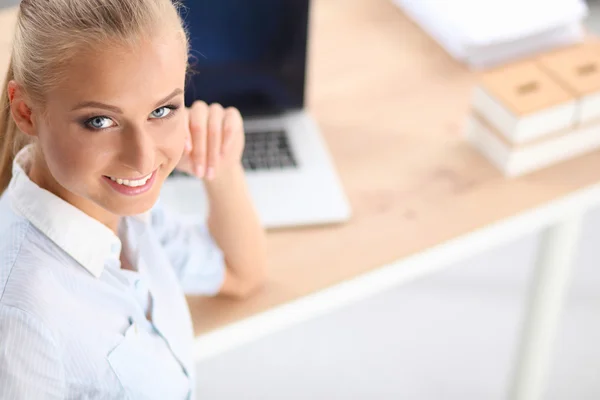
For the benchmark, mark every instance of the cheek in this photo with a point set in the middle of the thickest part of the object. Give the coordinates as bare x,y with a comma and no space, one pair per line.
71,157
172,140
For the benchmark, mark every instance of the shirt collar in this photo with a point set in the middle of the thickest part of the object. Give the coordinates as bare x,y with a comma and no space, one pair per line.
84,238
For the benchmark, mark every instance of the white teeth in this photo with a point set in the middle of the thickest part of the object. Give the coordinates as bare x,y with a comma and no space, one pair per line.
132,183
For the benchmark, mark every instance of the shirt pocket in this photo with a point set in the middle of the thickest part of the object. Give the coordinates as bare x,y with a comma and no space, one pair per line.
146,368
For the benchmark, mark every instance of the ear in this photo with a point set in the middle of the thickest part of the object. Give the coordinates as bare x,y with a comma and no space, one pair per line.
20,109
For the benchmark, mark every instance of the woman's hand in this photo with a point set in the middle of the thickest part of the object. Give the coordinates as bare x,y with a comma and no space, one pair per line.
213,152
215,140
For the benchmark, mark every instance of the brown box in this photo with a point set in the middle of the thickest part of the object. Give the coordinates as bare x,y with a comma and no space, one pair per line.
523,102
577,68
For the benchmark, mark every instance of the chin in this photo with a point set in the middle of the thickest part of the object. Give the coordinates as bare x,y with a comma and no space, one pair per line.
132,206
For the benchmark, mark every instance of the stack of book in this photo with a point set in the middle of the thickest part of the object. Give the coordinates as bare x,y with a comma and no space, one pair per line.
486,33
533,113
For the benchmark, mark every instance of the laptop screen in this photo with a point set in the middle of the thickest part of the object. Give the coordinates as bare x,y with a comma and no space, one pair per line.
250,54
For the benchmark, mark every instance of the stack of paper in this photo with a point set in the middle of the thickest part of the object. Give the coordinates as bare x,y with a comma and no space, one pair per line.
486,33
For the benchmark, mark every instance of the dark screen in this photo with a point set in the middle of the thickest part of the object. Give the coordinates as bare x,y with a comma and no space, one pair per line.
250,54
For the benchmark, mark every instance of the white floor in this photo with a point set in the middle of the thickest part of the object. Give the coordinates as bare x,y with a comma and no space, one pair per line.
451,336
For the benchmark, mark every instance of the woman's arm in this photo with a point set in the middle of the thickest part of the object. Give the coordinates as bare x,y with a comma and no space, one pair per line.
213,153
234,225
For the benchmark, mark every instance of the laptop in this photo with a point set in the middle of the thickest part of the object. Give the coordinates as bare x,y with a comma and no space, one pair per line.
252,55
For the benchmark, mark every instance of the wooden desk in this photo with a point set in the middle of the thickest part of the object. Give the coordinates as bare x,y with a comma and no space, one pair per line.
391,105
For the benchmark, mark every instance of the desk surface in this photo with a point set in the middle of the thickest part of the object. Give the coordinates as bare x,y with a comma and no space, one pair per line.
392,106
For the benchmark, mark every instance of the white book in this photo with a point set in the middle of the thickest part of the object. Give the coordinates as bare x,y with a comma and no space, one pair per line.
519,160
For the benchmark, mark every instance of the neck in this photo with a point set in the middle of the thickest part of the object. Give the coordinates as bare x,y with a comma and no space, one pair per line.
41,176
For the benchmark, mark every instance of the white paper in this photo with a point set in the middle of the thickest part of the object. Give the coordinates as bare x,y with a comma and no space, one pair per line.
486,32
485,22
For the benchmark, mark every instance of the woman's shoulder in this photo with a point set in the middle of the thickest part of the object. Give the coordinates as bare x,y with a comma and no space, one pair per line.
13,232
27,261
20,241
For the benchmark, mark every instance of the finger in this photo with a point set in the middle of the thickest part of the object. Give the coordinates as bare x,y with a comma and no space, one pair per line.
215,127
198,135
188,144
232,125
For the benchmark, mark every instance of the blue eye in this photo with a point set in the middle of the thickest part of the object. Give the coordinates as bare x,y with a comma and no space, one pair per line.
99,123
161,112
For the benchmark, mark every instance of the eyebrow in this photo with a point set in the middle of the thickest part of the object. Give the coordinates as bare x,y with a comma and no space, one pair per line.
117,110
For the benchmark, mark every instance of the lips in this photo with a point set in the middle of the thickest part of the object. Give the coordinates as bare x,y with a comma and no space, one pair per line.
131,187
131,182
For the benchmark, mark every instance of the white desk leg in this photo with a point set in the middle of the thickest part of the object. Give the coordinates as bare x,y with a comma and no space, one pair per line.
558,248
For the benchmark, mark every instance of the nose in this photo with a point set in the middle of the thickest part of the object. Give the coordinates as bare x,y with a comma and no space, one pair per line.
138,153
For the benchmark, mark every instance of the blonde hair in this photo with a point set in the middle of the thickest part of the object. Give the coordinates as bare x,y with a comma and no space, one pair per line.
48,35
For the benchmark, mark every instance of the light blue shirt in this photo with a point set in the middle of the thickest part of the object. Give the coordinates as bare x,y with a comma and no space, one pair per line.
73,323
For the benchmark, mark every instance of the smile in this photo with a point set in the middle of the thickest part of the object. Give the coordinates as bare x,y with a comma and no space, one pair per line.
132,182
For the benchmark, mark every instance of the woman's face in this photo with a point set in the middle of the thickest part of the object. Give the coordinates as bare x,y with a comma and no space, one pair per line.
116,127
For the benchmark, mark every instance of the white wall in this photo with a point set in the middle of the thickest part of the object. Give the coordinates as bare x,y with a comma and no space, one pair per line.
8,3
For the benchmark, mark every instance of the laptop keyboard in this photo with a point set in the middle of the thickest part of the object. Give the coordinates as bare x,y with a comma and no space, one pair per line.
267,150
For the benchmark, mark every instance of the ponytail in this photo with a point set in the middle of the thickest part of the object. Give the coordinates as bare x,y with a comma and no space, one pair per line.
11,139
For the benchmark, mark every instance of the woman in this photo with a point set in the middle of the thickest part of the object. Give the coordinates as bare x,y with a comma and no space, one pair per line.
92,273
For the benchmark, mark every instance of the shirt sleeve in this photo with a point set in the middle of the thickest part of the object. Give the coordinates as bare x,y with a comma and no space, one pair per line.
198,261
30,363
